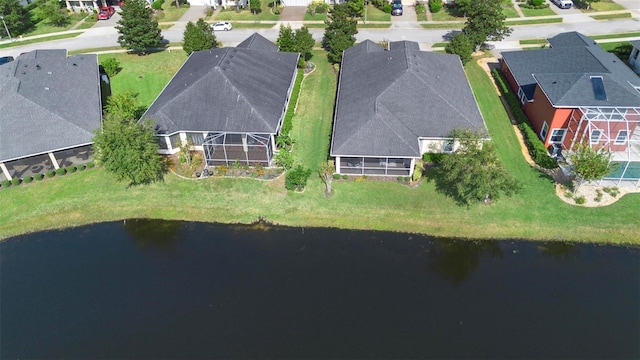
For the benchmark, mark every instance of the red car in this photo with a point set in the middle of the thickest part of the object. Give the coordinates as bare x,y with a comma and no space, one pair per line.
106,12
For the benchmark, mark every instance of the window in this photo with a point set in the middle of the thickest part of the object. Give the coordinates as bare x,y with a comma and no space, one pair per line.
448,146
596,134
521,95
544,131
557,135
621,138
196,138
175,141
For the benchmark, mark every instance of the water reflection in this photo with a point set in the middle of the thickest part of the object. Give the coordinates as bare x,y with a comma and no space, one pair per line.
559,250
154,234
455,260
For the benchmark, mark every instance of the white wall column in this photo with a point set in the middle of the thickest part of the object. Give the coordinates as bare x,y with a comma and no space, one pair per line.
5,171
53,160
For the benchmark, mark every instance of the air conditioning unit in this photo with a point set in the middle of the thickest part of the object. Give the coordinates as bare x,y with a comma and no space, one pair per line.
555,150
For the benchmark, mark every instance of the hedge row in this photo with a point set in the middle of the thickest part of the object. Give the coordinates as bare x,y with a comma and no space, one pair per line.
535,146
49,174
288,116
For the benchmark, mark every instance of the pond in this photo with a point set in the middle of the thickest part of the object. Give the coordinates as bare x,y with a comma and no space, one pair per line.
176,290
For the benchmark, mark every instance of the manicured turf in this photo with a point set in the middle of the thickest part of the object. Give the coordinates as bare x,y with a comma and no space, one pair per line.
604,5
537,12
44,27
173,13
510,22
534,213
232,14
38,40
615,36
145,75
625,15
375,14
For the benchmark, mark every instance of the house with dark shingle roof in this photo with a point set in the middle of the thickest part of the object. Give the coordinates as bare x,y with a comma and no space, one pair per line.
395,104
634,57
575,92
228,102
50,106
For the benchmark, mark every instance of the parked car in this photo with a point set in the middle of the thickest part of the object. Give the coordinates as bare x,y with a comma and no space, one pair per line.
6,59
106,12
222,25
563,4
396,8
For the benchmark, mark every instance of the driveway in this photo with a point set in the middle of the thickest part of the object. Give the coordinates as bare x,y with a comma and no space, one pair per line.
293,13
408,19
111,22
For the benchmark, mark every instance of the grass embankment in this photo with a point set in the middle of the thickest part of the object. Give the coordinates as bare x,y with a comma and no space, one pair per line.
535,213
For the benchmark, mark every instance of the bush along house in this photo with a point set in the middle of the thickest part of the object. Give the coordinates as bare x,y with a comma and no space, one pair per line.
574,92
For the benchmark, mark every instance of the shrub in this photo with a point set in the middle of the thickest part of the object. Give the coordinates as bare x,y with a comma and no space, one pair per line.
407,178
39,177
50,173
580,200
417,172
209,12
420,9
336,176
598,197
284,159
82,167
16,181
6,183
318,7
386,8
435,5
71,169
345,177
435,158
535,146
90,165
61,171
288,117
27,179
111,66
400,179
296,178
157,5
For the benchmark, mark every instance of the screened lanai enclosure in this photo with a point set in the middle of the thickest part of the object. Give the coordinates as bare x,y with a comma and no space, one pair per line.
381,166
40,164
221,148
617,131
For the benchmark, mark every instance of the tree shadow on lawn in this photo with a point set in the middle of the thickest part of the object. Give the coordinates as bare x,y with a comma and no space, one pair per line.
435,174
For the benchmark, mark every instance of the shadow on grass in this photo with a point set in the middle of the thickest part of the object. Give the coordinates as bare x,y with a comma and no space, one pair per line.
436,174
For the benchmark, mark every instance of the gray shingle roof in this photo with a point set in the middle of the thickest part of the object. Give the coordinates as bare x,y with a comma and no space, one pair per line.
227,89
563,72
388,99
48,103
257,42
635,43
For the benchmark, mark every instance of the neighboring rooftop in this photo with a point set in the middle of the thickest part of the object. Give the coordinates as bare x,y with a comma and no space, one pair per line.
48,101
564,73
387,99
242,89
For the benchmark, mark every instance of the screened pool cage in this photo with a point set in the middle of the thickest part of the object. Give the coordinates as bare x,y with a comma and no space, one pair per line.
222,148
617,131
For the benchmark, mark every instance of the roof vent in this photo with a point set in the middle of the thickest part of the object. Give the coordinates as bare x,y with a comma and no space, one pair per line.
598,88
46,88
49,72
38,67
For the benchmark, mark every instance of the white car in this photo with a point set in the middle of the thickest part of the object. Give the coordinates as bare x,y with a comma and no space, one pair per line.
223,25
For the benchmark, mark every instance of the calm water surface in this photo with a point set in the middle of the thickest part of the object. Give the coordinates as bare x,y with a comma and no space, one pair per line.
176,290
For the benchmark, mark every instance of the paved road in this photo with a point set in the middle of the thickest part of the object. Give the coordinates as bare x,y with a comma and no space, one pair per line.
106,36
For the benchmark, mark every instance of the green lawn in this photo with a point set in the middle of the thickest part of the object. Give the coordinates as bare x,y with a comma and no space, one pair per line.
533,42
446,14
508,10
442,25
537,12
231,14
145,75
604,5
615,36
316,17
535,213
512,22
375,14
37,40
610,46
625,15
43,27
172,13
253,25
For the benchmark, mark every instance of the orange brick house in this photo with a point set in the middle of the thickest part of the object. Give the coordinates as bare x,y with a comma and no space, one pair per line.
574,92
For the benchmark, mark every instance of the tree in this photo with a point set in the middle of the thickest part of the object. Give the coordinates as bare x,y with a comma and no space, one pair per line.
462,46
326,175
126,148
589,164
585,4
198,36
356,8
254,6
473,173
286,40
51,12
138,29
304,42
485,21
463,6
339,33
14,17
